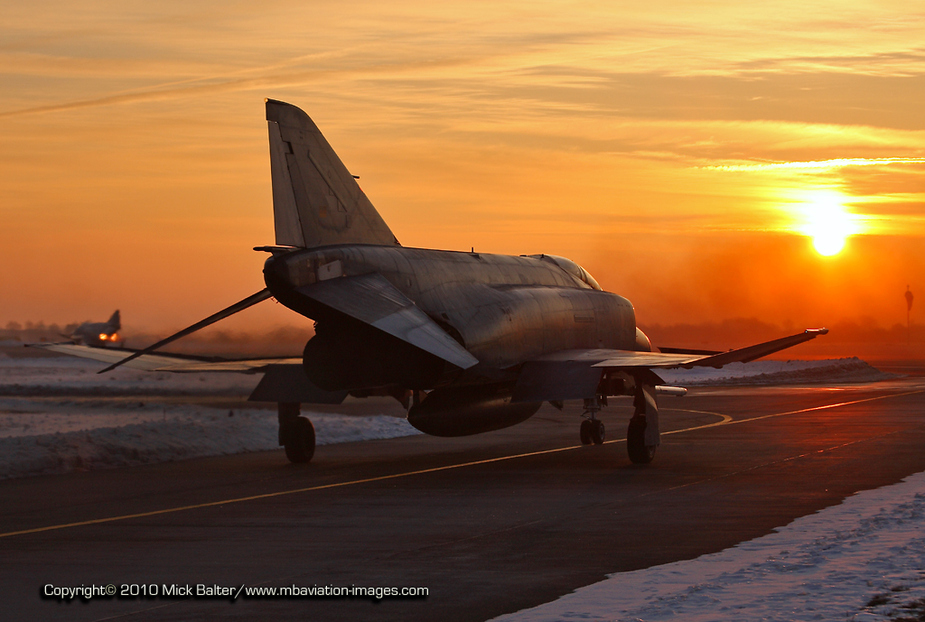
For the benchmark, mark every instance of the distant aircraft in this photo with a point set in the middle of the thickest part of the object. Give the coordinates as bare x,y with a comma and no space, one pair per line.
98,333
468,342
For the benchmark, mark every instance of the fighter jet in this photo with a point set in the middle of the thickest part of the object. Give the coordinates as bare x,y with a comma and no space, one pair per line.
469,342
98,333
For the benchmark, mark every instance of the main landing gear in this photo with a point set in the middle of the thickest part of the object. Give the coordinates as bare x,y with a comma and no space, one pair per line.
636,447
296,433
642,435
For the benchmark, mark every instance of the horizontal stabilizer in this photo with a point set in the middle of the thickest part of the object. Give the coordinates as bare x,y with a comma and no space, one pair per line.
371,299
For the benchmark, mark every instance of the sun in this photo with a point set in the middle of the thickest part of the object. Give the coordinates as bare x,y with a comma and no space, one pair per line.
829,232
828,223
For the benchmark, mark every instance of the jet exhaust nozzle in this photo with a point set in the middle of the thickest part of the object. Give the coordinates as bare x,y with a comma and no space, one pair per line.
352,356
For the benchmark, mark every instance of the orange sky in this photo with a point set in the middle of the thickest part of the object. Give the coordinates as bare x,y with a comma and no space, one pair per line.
674,151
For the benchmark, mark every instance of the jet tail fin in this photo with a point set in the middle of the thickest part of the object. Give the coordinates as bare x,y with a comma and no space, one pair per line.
316,201
115,321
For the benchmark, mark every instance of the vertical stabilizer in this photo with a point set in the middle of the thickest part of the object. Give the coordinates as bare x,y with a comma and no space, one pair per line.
316,201
115,321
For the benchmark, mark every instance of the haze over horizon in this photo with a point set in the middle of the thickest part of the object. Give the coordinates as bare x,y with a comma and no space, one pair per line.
688,158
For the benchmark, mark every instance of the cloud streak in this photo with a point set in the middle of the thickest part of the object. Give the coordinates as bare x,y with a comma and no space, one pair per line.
833,163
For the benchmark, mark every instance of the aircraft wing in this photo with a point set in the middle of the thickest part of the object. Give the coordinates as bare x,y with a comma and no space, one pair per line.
168,362
576,374
284,379
739,355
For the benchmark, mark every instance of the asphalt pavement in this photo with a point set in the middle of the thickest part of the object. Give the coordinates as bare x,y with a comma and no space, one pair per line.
487,524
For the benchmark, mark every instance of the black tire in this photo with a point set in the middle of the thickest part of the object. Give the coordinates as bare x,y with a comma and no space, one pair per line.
584,432
597,432
636,442
299,436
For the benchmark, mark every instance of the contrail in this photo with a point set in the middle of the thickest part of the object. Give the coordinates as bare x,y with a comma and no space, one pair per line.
260,82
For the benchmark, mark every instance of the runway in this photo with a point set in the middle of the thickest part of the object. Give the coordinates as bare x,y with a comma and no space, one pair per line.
488,524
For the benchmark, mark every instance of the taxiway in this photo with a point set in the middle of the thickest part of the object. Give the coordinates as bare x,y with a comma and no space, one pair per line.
489,524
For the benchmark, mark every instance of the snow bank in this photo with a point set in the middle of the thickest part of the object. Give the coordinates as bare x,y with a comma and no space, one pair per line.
777,372
46,376
861,561
51,423
59,437
46,428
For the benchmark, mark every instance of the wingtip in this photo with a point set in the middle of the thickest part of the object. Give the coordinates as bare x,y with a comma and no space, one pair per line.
816,331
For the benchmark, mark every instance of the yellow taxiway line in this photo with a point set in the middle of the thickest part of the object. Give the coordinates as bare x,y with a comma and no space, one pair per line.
726,420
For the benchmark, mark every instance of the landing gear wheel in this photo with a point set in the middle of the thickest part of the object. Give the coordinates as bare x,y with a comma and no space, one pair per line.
584,432
299,440
597,431
636,447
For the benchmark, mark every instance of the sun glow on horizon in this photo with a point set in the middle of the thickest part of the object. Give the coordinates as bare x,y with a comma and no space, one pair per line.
828,222
621,136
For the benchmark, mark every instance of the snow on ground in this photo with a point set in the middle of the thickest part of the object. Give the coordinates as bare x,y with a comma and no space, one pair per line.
58,415
40,437
777,372
58,375
862,560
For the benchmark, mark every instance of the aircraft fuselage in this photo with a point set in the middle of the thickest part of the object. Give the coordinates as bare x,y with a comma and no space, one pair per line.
503,309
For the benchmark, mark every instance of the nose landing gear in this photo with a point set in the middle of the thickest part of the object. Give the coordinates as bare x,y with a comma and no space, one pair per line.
592,428
591,431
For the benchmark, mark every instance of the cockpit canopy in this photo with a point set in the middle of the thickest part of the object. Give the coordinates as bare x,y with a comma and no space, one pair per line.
572,268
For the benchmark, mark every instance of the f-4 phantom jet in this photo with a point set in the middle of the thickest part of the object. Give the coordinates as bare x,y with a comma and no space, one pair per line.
98,333
468,342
